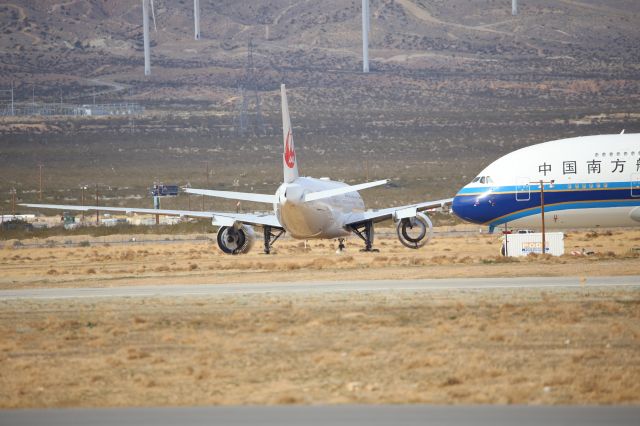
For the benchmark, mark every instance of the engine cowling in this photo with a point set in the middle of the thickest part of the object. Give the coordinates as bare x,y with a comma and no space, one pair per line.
415,232
232,240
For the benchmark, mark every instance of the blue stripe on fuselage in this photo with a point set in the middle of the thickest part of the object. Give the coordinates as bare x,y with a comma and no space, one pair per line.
497,205
547,188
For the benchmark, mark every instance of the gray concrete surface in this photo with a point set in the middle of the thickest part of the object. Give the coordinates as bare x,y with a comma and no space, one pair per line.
320,287
352,415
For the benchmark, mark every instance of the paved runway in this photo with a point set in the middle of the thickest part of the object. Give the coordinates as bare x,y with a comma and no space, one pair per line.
352,415
320,287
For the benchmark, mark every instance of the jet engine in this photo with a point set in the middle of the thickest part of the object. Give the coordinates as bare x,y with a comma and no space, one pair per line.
415,232
232,240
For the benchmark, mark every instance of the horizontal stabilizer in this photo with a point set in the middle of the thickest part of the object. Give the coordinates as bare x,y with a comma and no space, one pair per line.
243,196
343,190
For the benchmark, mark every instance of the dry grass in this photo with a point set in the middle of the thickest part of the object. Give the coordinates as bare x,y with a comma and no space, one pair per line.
453,255
511,347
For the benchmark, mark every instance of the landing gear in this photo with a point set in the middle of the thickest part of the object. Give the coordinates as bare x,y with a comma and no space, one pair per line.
341,245
364,230
270,238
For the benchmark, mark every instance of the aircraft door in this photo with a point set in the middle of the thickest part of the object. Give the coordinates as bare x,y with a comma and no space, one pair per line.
523,189
635,185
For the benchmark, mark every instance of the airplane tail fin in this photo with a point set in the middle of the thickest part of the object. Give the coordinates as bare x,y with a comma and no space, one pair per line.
289,161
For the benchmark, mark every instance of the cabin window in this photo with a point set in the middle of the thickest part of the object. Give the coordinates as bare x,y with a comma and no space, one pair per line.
597,155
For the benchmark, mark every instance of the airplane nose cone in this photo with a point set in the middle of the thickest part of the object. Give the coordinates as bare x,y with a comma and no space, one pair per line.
466,208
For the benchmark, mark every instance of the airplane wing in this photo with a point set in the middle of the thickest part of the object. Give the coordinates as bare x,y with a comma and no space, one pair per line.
218,218
397,212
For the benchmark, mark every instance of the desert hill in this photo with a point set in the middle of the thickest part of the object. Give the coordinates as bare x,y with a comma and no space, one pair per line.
454,84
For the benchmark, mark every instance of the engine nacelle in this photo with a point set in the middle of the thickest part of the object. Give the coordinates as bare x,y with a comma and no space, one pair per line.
415,232
232,240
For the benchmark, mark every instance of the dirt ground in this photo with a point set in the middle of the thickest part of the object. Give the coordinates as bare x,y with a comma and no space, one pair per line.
454,252
578,346
461,346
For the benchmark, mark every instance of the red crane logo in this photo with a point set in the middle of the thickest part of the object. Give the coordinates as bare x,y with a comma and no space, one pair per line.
289,153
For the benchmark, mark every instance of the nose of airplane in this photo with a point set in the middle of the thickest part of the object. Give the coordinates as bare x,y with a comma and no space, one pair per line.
466,207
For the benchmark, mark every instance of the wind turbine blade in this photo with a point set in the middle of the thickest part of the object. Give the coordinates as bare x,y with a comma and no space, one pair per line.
153,16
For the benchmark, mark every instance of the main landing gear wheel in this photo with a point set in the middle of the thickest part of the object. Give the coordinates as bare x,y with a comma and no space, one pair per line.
341,245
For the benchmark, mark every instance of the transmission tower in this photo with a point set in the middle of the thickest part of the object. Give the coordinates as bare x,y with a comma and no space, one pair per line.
249,83
242,110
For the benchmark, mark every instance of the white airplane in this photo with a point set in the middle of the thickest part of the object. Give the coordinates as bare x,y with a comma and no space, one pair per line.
305,207
588,181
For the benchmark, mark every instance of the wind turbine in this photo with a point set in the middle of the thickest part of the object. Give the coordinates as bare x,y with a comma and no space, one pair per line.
196,19
145,30
365,35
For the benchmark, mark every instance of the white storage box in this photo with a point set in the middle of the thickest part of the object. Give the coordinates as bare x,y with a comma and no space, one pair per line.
515,245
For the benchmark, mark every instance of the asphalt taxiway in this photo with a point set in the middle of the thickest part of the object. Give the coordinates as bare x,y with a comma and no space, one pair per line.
337,415
322,287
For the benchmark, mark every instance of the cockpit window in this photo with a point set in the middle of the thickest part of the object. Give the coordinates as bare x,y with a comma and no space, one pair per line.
489,180
482,179
476,179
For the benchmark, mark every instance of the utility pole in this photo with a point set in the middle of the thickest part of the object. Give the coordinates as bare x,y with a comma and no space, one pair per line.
13,111
13,203
145,32
40,170
84,187
366,169
544,234
207,173
196,19
97,204
365,36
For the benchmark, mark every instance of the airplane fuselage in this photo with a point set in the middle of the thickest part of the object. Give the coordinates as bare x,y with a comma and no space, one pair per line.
325,218
589,181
